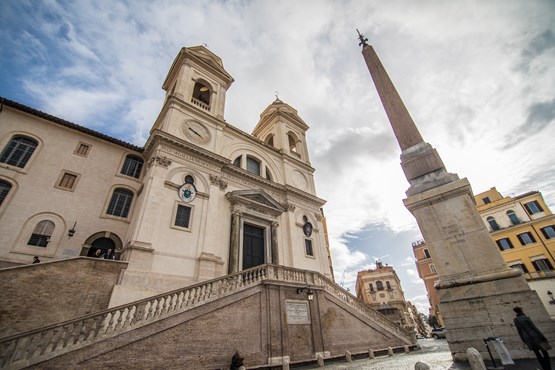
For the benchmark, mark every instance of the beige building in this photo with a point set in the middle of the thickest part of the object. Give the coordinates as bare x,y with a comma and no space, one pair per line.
218,234
198,200
380,289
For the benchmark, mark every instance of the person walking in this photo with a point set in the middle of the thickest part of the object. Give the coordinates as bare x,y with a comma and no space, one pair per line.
533,337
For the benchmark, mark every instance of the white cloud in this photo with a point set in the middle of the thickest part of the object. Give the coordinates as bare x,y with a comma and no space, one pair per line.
470,73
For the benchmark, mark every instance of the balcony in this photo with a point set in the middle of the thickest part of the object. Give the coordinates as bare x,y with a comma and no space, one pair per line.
200,104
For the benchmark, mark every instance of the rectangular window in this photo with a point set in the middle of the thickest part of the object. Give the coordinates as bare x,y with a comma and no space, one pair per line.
520,266
542,265
486,200
308,247
82,149
433,269
388,285
504,244
67,181
548,232
526,238
182,216
426,253
371,287
533,207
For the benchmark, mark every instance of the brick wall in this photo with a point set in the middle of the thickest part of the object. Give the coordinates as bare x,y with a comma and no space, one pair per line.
36,295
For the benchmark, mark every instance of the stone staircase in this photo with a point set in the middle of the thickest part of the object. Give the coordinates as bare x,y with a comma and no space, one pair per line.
36,346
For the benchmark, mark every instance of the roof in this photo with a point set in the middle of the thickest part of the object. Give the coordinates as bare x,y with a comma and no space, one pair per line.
526,194
71,125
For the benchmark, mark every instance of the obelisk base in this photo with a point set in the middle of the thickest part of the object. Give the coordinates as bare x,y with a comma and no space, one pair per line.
474,312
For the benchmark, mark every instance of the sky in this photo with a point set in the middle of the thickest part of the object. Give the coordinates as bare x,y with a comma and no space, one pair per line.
477,77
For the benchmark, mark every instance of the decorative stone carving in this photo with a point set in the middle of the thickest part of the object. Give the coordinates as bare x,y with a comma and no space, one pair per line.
289,207
159,160
217,180
318,216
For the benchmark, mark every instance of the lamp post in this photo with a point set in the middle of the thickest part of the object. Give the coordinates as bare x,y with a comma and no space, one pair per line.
309,293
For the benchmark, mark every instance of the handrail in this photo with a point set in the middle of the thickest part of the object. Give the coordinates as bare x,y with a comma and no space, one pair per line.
24,349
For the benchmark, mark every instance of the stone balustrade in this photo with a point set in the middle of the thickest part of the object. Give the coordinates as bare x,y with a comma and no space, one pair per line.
28,348
200,104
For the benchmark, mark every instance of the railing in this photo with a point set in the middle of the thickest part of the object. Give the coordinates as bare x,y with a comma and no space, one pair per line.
24,349
201,104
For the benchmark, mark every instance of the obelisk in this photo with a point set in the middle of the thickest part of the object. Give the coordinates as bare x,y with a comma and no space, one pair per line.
476,289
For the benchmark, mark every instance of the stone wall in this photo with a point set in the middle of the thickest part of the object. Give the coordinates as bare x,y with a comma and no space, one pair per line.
253,321
42,294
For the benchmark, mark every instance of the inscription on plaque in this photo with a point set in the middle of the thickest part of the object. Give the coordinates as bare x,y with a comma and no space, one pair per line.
297,312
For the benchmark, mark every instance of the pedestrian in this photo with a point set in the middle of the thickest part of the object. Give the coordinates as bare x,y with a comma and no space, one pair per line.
36,259
97,253
236,361
533,337
108,255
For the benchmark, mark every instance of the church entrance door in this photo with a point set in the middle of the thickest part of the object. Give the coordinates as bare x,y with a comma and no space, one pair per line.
253,246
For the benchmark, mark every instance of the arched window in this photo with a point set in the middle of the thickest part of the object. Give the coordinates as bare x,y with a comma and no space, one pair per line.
292,143
120,203
42,233
4,190
493,223
132,166
270,140
268,175
513,217
237,161
201,95
388,285
18,151
379,285
253,166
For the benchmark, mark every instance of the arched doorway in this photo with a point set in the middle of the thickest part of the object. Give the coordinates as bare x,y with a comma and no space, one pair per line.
103,244
103,241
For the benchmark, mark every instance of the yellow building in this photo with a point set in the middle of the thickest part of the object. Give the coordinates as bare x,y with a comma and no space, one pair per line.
523,228
428,273
380,289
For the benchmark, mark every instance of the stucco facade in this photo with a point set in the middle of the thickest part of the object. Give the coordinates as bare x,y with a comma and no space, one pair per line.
381,290
199,200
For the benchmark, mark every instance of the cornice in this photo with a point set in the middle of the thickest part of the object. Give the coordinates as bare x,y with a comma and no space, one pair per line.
158,137
70,125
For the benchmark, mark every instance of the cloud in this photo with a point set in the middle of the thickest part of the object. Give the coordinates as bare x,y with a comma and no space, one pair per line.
477,79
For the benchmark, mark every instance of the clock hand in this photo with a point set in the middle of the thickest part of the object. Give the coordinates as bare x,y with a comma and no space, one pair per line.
196,133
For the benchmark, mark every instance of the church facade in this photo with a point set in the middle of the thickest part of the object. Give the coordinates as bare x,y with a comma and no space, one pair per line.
199,200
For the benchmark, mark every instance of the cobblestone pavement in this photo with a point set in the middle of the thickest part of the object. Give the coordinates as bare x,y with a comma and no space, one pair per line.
434,352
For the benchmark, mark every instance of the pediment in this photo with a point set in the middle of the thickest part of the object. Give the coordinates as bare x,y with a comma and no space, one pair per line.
255,199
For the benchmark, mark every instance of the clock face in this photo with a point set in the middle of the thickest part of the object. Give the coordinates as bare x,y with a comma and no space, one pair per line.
195,132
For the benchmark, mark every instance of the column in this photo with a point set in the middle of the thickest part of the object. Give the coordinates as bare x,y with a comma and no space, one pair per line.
234,243
275,252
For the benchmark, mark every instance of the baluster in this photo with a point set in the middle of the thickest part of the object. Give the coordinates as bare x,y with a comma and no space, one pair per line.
56,337
180,300
7,352
110,322
97,326
45,341
152,308
186,297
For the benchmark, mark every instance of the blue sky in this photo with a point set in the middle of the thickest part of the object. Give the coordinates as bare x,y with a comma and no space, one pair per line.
476,76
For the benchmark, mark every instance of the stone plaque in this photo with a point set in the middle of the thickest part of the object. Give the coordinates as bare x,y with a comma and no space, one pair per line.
297,312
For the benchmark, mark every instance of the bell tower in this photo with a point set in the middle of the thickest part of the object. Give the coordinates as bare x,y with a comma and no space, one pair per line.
196,87
281,127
